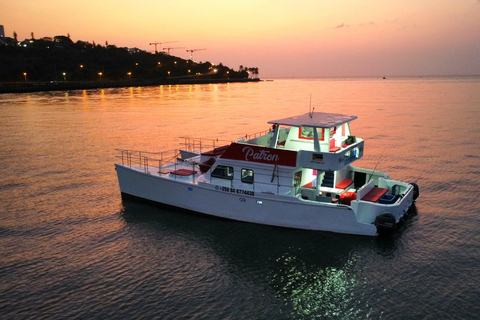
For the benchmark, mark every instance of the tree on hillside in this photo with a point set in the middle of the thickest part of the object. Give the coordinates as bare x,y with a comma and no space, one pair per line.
63,40
47,59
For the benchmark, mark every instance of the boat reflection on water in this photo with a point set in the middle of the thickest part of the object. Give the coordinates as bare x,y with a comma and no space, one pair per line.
303,273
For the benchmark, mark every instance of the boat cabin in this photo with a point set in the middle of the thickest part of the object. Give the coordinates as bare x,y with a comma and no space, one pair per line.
306,156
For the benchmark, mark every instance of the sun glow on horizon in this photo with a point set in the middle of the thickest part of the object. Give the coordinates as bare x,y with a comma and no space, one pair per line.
281,38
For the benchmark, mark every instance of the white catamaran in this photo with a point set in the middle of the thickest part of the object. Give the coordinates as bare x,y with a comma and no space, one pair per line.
298,174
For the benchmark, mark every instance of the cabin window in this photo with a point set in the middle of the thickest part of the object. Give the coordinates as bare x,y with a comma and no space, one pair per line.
297,178
223,172
307,133
247,176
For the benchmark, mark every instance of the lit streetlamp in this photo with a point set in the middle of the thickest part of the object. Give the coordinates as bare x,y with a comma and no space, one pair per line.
100,75
25,75
64,77
129,75
169,73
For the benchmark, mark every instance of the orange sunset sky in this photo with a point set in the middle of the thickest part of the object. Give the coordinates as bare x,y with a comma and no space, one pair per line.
283,38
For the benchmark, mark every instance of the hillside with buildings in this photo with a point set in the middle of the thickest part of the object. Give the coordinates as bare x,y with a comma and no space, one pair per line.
59,59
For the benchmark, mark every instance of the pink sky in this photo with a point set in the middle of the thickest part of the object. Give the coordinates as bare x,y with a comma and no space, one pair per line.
283,38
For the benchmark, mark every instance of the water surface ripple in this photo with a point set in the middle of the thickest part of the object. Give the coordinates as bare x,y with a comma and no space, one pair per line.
72,248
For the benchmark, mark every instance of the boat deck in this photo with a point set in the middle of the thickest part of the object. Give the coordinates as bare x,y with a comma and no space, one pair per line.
179,170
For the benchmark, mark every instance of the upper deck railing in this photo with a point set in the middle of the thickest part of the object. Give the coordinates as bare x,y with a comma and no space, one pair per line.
202,144
146,159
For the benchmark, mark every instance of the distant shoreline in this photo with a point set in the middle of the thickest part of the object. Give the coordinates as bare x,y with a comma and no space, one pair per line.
26,87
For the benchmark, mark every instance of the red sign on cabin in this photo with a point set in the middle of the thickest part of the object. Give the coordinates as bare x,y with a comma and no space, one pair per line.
244,152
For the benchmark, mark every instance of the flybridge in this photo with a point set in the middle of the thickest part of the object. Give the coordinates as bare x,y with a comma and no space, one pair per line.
315,120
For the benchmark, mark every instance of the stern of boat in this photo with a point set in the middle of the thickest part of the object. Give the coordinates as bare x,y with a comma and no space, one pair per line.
393,205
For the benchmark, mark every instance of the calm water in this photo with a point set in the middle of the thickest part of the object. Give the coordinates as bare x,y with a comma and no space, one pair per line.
70,247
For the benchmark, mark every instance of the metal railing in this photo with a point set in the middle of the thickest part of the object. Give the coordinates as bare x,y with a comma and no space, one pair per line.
256,134
202,144
145,159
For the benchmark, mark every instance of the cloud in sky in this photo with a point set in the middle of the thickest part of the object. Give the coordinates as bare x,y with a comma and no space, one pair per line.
340,26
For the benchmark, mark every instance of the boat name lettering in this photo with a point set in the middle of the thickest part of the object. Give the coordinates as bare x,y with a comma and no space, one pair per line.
237,191
260,155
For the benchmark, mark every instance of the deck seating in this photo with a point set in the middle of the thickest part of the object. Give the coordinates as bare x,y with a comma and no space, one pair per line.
344,184
333,148
374,194
183,172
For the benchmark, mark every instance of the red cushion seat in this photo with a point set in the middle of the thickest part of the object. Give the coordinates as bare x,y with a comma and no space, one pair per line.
333,148
344,184
374,194
184,172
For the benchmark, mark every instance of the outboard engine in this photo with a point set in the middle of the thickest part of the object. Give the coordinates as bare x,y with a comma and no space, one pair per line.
385,223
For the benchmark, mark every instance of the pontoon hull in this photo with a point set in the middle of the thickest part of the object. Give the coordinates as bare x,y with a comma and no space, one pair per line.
261,208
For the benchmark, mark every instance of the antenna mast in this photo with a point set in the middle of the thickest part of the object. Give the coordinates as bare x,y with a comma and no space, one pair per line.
310,110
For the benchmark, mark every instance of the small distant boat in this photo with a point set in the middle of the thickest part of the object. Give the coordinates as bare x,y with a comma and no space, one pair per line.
298,174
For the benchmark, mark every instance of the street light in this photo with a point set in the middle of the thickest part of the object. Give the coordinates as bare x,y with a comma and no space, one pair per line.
25,75
100,75
129,75
64,78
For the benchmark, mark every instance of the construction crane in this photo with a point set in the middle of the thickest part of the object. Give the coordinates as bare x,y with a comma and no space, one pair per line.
170,48
155,43
192,51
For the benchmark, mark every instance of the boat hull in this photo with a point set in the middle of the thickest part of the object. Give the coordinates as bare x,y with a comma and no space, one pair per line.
230,203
